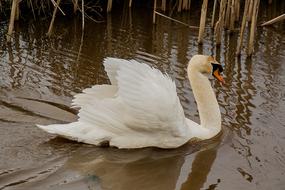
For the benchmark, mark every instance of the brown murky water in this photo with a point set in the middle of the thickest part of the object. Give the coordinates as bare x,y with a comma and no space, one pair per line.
39,76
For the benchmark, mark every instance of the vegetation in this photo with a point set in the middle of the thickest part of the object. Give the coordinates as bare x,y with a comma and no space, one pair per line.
232,14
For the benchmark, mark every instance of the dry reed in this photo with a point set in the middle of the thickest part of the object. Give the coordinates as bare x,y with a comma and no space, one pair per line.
163,5
246,7
75,6
213,15
179,8
109,5
249,14
229,14
202,21
228,11
177,21
237,10
53,18
272,21
12,20
253,27
220,23
232,18
154,12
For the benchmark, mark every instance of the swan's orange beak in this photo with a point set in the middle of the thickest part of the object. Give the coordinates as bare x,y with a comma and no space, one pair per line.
218,76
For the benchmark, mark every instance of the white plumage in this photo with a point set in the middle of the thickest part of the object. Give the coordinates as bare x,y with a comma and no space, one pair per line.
139,109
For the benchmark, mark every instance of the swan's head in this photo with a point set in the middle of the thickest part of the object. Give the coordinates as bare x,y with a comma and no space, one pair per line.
206,65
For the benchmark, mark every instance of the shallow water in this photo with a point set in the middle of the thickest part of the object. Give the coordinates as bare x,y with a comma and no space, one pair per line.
39,76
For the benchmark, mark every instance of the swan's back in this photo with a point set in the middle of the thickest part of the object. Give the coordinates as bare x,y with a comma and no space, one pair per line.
139,109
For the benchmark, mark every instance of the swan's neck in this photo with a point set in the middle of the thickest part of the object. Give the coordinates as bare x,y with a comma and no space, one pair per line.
208,108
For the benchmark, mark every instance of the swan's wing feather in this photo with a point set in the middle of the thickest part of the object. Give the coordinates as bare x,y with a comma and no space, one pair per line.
111,66
95,93
150,98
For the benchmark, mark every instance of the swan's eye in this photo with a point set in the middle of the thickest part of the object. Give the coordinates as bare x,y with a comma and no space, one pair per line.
217,66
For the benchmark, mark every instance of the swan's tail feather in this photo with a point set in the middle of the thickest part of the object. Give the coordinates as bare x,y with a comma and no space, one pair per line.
78,131
64,130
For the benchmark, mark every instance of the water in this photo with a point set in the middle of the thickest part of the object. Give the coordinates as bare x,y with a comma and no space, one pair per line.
39,76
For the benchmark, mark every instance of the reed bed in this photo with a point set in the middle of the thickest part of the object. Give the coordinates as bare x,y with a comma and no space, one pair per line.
228,20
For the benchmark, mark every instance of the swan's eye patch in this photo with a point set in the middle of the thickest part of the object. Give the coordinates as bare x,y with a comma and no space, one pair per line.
217,66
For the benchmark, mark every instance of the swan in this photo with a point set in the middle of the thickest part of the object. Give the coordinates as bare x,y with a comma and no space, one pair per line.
141,107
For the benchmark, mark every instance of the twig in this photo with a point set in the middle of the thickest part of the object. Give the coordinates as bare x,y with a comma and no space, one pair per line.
192,27
53,18
33,9
55,4
272,21
87,16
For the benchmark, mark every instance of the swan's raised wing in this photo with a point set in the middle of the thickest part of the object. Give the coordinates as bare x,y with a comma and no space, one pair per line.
149,97
139,109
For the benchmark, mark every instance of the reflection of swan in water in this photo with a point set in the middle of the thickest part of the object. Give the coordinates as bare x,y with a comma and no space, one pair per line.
150,169
140,169
141,107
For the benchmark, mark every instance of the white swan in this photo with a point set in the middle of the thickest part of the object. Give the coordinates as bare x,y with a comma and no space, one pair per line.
141,107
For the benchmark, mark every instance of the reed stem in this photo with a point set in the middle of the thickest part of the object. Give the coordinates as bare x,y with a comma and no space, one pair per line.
189,5
184,4
232,19
220,23
179,5
253,27
53,18
154,12
83,16
237,10
12,20
163,5
244,18
202,21
272,21
177,21
249,15
31,4
75,6
17,16
214,12
109,5
228,11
